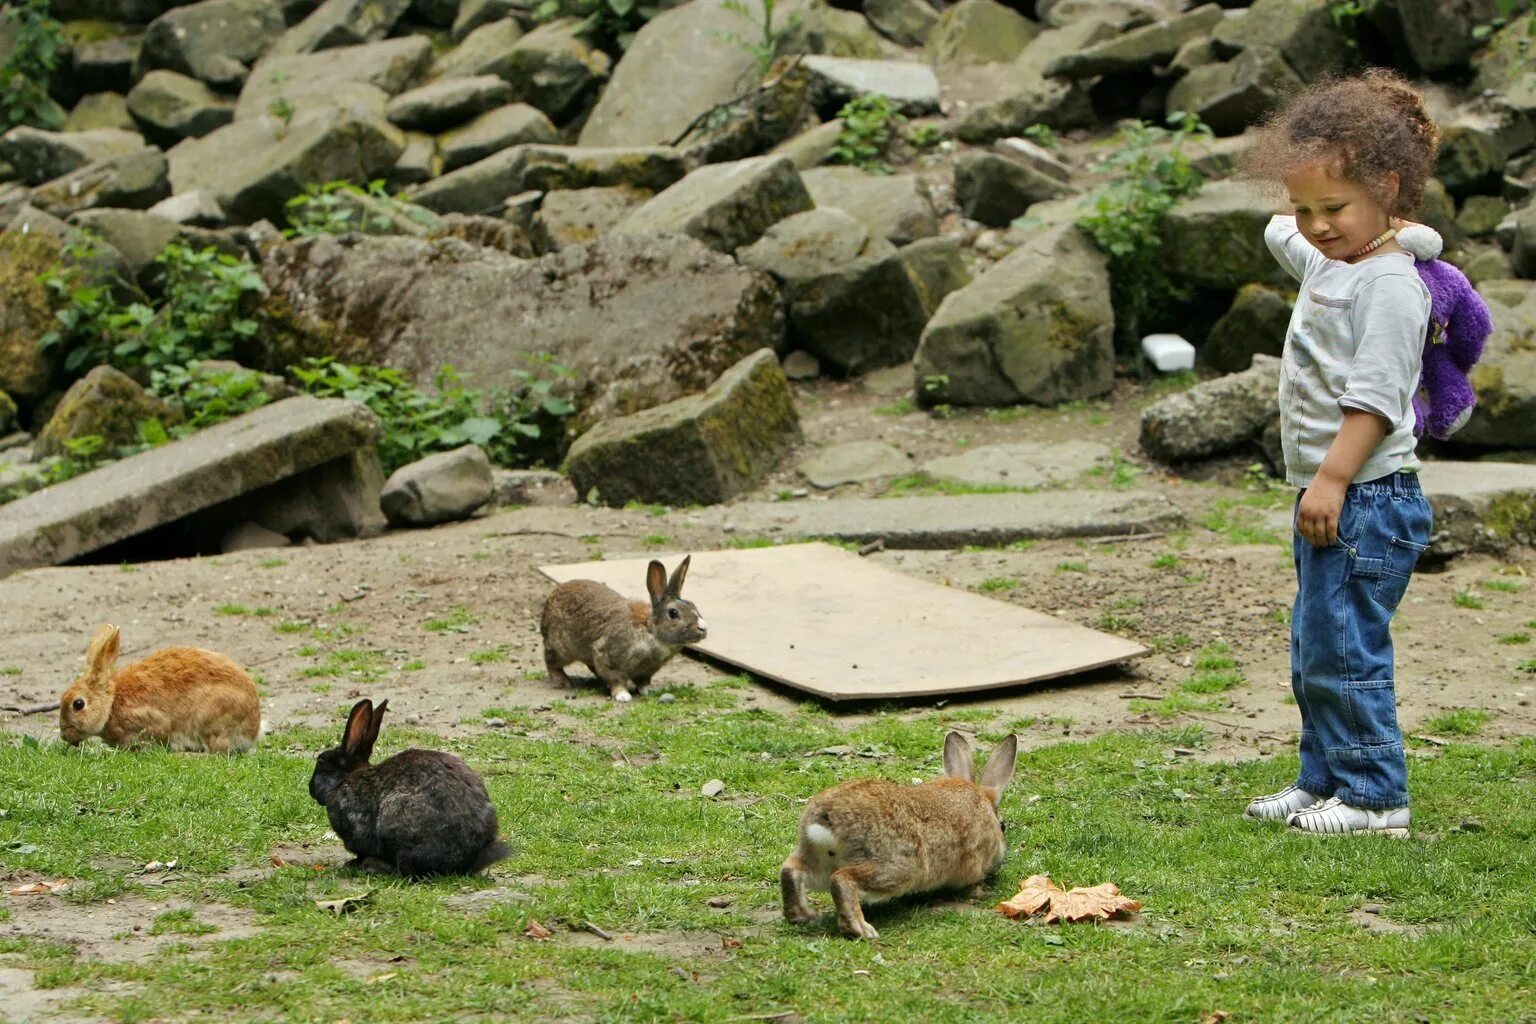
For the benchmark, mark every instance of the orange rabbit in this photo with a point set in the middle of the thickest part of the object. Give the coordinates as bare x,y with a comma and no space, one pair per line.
183,697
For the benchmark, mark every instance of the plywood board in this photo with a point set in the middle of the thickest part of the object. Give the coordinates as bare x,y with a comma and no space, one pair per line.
824,620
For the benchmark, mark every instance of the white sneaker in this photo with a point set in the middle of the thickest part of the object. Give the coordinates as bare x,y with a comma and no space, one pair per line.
1280,806
1335,817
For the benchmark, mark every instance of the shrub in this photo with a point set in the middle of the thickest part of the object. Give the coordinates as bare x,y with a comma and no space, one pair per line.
338,207
202,312
1152,173
514,427
27,70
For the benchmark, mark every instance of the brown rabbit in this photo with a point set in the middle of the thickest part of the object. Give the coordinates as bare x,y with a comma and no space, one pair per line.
623,642
875,839
183,697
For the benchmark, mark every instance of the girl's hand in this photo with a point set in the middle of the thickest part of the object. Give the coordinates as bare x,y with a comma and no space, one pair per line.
1317,516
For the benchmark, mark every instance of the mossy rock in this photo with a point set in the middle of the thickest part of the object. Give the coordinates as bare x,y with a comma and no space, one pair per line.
26,314
1215,238
1255,324
979,32
105,403
7,413
703,449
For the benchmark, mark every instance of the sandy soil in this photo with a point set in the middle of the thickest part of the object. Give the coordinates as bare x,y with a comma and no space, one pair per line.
386,589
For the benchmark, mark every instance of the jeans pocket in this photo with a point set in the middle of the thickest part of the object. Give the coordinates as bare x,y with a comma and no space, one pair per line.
1373,711
1396,569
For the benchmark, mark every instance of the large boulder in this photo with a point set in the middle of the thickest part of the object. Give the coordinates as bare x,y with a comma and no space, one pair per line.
979,32
338,23
299,441
138,235
451,101
1215,238
760,121
37,156
1505,379
254,166
1522,249
1232,95
896,207
698,450
473,14
1022,95
1036,327
215,41
1504,67
725,206
1139,49
99,110
486,50
638,321
26,314
911,85
483,187
103,63
854,302
105,403
440,488
576,216
680,64
132,181
906,22
170,106
334,78
1442,36
515,124
555,68
1255,324
1304,32
996,189
1215,416
1477,140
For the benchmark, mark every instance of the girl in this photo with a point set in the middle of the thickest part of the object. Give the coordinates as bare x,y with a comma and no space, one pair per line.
1353,155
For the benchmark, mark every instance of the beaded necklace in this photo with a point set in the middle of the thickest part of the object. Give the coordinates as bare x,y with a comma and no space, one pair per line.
1374,244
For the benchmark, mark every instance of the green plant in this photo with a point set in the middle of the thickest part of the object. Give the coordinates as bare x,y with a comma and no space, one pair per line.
609,23
997,584
868,129
1043,135
926,135
770,37
513,426
282,109
27,69
1467,599
206,397
338,207
1151,173
204,311
1457,722
81,455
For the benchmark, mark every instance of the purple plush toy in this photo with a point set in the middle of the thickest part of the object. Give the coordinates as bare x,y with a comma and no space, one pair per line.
1459,324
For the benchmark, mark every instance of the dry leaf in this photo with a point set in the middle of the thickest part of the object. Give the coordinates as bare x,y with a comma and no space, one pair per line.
345,905
536,931
39,888
1217,1017
1038,893
730,942
381,977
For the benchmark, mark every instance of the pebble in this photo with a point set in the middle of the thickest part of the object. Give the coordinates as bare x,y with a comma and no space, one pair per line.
667,698
714,787
496,723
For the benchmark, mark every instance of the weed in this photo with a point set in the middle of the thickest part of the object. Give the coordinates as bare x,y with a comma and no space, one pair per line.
1514,639
271,563
488,657
457,621
413,666
996,584
1502,586
869,124
1043,135
900,407
770,37
36,45
921,483
340,207
1072,567
1165,561
1172,642
1152,173
1467,599
745,543
10,670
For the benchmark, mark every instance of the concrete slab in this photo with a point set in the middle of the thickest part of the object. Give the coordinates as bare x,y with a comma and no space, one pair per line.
128,497
1480,506
853,462
1036,464
828,622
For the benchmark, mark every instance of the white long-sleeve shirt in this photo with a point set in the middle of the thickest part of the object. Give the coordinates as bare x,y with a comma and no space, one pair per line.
1355,341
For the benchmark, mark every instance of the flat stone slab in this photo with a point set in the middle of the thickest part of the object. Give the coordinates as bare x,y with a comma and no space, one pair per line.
1480,506
135,494
854,462
833,624
1021,465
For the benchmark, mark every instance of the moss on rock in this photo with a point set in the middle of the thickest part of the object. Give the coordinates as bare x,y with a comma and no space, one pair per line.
106,403
26,314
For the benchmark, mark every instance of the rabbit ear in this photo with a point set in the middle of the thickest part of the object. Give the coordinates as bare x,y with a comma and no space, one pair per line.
656,582
357,727
376,721
102,653
958,763
999,767
675,584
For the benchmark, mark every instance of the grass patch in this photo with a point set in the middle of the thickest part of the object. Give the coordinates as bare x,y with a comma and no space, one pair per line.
488,657
11,670
1237,913
1213,671
1165,561
900,407
1515,639
1502,586
921,484
1071,566
1458,722
996,584
634,505
747,543
457,621
271,563
1467,599
1243,520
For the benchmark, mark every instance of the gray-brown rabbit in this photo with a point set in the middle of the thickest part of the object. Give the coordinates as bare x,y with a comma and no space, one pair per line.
874,839
623,642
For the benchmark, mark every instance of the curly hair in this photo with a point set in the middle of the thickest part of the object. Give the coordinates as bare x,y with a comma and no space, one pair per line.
1363,127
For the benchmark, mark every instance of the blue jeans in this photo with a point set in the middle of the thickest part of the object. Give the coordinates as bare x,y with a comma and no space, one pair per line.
1341,643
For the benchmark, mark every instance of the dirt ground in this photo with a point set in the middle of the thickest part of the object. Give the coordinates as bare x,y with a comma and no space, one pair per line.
384,591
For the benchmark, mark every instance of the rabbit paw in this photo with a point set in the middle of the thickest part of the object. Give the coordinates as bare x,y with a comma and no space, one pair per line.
861,930
623,696
801,915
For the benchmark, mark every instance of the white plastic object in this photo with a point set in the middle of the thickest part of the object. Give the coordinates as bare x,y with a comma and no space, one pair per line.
1168,352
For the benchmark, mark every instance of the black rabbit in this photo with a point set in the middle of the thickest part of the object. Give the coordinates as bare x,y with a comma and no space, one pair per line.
422,812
